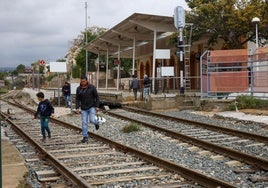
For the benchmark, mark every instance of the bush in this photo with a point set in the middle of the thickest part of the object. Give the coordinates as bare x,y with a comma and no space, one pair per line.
3,91
246,102
131,128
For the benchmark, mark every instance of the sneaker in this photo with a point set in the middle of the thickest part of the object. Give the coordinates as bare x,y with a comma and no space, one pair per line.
49,136
84,140
43,139
97,126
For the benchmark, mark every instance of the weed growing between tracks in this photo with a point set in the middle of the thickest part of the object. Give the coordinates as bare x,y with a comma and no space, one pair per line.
249,102
131,128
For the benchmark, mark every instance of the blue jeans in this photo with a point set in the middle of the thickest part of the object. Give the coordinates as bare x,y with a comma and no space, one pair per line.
67,99
85,114
146,92
44,120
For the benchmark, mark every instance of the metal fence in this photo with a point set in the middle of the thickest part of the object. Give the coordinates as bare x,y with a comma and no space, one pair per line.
228,73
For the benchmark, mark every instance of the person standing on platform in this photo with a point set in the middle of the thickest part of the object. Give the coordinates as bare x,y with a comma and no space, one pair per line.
146,85
135,86
45,109
66,92
87,98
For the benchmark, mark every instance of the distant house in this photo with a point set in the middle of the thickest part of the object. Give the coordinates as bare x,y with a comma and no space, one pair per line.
28,70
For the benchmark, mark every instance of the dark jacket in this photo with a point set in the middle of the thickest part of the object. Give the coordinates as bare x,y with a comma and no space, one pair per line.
135,84
66,89
87,97
44,108
146,82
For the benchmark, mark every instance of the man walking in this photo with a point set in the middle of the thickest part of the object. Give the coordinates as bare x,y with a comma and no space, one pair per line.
135,86
66,92
87,98
146,85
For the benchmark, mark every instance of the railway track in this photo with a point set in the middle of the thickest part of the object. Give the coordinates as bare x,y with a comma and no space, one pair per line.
234,143
101,163
204,139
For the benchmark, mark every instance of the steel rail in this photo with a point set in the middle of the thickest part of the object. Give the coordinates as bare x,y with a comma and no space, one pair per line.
235,132
249,159
68,174
198,177
189,174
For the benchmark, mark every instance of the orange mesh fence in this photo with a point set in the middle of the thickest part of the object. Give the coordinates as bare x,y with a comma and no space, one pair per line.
261,54
228,71
229,81
261,81
229,56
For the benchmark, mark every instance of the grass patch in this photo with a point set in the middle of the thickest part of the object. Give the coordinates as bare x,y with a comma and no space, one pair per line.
3,91
131,128
249,102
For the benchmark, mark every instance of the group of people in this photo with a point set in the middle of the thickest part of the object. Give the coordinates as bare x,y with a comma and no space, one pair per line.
87,100
135,86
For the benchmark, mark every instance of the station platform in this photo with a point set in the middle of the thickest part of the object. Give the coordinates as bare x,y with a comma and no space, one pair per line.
149,102
117,98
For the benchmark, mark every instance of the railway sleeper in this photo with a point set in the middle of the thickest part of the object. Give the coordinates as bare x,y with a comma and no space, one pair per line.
47,175
128,178
259,178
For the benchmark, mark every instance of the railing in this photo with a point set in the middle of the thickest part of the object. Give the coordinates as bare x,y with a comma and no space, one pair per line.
169,85
232,75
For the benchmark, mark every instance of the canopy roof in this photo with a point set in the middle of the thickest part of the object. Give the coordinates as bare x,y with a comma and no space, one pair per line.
136,30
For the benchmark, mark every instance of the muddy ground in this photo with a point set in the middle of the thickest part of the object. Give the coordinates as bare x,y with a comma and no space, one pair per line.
13,166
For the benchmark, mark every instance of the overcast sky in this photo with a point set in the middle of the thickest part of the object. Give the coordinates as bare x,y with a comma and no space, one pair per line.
37,29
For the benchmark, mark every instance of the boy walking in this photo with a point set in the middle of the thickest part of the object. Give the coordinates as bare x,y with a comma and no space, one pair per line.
45,109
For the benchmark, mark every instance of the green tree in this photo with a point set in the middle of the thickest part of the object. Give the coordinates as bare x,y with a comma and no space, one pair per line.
61,60
79,45
3,75
15,72
76,71
20,68
229,20
81,61
127,66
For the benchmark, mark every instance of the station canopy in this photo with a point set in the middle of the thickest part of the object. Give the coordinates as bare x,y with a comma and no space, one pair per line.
136,30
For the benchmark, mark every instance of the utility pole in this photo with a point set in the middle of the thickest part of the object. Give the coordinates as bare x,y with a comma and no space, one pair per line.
86,40
1,170
38,78
33,78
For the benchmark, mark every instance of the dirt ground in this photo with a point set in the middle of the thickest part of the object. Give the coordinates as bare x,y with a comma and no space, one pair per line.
13,166
255,112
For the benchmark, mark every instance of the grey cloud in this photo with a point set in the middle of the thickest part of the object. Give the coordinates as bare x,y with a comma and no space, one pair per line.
34,29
